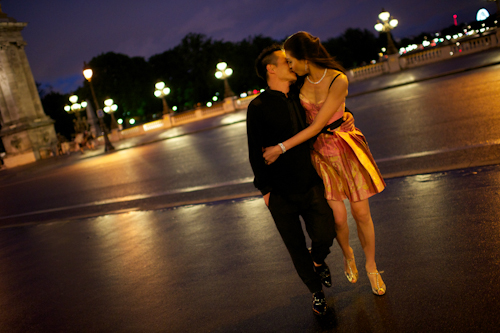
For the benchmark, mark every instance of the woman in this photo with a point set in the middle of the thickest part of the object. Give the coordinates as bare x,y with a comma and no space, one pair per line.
342,159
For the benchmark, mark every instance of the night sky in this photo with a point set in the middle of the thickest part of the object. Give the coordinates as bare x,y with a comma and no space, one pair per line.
62,34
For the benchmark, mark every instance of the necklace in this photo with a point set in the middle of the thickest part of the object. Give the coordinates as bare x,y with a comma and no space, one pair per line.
324,74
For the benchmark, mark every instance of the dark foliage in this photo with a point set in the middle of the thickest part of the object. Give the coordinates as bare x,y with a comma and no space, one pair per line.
128,81
53,105
355,47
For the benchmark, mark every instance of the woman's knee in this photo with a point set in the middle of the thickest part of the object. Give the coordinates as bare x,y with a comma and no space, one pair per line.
361,213
364,219
341,223
339,213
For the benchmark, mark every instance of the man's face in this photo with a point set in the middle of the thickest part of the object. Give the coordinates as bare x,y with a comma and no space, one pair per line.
282,69
297,66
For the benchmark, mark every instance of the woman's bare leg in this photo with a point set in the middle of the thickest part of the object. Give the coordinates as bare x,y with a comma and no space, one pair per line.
361,212
342,229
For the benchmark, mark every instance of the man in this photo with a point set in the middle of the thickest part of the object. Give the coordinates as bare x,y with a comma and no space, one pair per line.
290,186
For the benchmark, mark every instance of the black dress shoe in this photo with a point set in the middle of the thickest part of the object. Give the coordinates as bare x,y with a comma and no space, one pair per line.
324,273
319,303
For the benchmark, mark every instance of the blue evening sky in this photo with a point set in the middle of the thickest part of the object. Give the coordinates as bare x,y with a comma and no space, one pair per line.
62,34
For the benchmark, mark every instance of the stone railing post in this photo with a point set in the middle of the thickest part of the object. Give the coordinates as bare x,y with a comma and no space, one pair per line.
167,121
393,61
229,104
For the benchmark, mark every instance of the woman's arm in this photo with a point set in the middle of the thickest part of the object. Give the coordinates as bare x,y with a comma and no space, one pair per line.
336,96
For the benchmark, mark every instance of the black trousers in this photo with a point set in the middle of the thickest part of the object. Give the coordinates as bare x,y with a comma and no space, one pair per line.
320,226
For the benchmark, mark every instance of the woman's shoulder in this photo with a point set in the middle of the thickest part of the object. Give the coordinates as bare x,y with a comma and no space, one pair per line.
338,78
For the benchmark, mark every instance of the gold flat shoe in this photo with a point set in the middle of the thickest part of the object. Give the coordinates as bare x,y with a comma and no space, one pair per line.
352,272
380,290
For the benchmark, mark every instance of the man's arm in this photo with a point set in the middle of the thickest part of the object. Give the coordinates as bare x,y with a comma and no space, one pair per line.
255,143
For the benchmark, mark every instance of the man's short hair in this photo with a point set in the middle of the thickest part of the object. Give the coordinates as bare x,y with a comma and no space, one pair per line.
265,58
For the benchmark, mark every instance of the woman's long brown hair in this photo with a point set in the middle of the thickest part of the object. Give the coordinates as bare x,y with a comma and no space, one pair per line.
304,46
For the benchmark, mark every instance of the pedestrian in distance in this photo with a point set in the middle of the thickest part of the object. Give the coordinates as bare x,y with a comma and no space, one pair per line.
89,140
342,158
80,142
291,188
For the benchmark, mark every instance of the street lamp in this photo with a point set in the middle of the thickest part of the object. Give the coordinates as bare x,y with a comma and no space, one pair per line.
160,92
75,108
222,73
87,73
111,108
385,24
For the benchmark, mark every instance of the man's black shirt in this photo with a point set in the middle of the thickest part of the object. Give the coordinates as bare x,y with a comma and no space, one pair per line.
272,117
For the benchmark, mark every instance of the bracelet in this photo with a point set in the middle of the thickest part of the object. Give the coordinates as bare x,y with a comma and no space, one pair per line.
282,146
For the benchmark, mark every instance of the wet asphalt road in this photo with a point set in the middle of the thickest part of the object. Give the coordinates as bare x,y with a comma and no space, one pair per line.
221,267
170,237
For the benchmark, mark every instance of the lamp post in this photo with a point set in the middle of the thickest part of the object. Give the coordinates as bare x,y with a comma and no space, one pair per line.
385,24
222,73
75,108
87,73
160,92
111,108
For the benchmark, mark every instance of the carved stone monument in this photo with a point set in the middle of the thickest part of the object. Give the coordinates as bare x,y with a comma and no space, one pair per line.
26,131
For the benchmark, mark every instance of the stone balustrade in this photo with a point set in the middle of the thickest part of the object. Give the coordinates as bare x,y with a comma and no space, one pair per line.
426,56
423,57
475,45
366,72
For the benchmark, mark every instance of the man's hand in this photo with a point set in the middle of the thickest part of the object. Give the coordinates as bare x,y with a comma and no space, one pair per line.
266,198
348,124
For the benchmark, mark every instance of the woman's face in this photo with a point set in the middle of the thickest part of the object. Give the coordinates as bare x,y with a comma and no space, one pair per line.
296,65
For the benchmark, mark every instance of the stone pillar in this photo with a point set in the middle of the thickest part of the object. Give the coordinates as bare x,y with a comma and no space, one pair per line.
167,121
229,104
393,61
26,131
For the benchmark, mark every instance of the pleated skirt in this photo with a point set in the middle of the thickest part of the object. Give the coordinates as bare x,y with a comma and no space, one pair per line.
346,165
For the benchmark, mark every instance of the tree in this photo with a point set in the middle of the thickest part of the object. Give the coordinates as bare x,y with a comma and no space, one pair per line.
189,68
354,47
53,104
128,81
242,60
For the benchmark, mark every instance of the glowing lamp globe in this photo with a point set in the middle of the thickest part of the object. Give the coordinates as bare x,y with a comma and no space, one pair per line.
384,16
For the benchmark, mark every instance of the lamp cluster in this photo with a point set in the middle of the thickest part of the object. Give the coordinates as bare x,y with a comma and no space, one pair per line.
386,22
223,72
110,106
161,91
75,106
